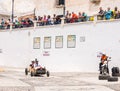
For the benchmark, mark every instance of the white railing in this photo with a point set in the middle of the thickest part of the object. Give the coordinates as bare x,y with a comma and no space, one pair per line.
92,19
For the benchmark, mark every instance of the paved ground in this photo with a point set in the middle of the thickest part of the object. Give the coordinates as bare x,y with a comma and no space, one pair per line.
17,81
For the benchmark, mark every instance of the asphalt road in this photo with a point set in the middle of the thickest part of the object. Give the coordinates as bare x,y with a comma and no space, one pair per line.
61,81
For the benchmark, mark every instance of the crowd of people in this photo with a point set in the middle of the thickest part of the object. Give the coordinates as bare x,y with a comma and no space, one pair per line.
70,17
108,14
5,24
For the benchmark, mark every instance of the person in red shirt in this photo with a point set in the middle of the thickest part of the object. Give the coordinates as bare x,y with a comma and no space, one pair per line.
74,17
103,59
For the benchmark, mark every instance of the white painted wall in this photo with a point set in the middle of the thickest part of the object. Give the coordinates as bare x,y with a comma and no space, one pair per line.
17,46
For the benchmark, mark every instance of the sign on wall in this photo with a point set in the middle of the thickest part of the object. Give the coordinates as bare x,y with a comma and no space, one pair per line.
46,53
71,41
47,42
36,43
59,42
82,39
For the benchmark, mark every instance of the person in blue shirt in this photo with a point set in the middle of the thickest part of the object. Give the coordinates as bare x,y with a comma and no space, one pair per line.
108,14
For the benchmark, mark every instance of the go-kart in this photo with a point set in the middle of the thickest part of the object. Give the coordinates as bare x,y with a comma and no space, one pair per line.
37,71
104,70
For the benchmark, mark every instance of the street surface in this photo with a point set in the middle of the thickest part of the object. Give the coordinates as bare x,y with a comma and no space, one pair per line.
61,81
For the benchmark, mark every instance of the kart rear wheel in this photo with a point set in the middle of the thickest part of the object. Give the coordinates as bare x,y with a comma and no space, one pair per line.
103,77
112,79
48,73
32,74
116,74
26,71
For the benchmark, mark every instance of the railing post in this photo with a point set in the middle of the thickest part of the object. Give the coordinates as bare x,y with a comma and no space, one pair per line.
11,26
62,21
95,19
35,24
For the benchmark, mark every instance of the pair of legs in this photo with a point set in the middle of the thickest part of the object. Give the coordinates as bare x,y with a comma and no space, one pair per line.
100,68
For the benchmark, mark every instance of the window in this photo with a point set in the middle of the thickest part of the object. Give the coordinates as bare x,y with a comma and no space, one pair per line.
36,43
71,41
47,42
59,42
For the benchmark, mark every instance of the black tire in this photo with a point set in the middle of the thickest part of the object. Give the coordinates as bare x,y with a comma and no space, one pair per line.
32,74
26,71
116,74
115,70
103,77
48,73
112,79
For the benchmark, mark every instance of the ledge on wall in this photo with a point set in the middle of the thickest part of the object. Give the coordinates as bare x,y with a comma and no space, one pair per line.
60,6
95,1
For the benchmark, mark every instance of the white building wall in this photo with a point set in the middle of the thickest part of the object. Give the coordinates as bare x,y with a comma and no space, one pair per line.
48,7
17,46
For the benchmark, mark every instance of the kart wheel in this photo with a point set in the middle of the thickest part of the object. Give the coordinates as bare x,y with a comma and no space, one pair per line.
48,73
115,70
103,77
112,79
116,74
32,74
26,71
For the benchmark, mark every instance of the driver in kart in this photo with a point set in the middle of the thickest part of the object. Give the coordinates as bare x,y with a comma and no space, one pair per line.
36,65
102,61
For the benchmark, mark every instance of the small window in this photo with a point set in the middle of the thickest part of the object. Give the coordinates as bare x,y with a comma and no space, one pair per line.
71,41
59,42
47,42
36,43
82,39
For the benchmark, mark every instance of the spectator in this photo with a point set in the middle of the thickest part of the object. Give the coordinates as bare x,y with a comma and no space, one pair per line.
74,17
8,24
30,22
35,18
58,20
17,24
100,14
67,13
39,21
115,13
118,14
108,14
54,18
2,23
69,18
84,15
80,17
44,20
49,20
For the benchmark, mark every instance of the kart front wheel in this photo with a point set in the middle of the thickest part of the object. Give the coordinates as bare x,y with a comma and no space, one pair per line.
26,71
48,73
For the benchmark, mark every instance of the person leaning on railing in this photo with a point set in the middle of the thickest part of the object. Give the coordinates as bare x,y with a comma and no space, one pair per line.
101,13
108,14
74,17
116,13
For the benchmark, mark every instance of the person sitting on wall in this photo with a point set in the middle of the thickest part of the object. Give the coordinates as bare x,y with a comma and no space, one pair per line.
115,13
100,15
108,14
84,15
74,17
